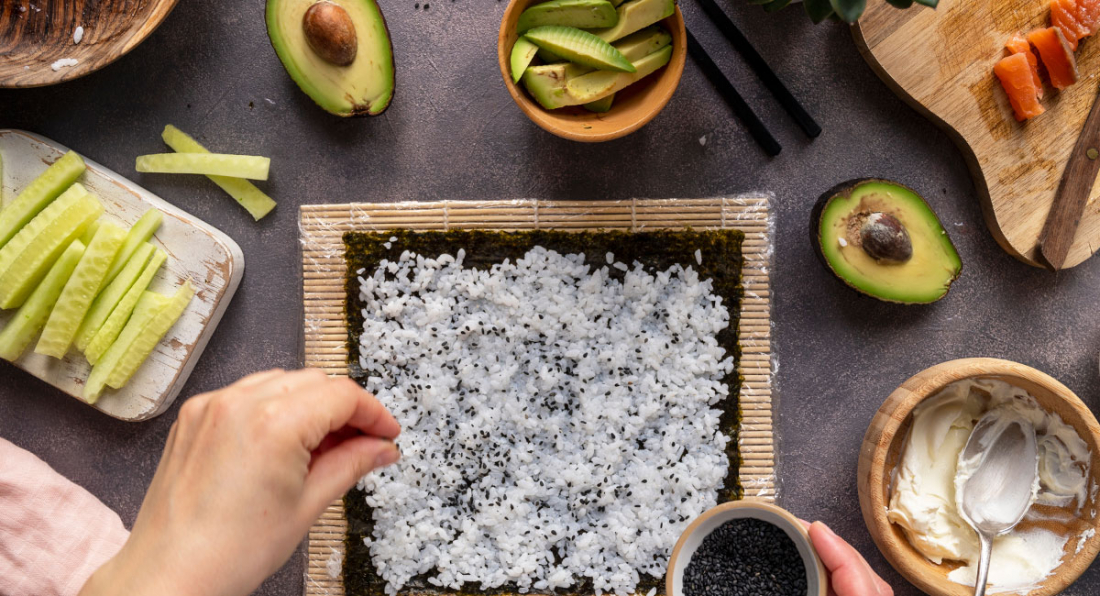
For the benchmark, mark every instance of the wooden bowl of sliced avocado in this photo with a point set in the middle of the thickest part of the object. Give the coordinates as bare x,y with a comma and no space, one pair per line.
592,70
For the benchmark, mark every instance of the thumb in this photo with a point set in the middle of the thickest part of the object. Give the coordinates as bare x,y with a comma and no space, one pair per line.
849,574
339,467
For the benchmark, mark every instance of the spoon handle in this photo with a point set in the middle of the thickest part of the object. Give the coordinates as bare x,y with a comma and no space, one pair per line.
983,564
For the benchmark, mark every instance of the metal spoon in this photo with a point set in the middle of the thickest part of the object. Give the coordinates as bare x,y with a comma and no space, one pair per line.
999,491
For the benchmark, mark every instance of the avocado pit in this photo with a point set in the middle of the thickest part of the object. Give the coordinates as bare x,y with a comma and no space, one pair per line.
882,236
330,33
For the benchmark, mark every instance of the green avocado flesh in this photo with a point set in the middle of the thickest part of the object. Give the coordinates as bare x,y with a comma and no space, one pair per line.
522,54
585,14
579,47
923,277
548,83
600,106
552,88
636,15
364,87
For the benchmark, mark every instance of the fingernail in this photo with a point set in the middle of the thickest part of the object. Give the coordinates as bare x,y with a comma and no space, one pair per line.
387,457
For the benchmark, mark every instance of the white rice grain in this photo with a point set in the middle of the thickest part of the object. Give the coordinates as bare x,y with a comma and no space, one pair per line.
558,422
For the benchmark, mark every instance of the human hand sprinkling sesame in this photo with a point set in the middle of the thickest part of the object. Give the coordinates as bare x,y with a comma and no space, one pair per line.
245,472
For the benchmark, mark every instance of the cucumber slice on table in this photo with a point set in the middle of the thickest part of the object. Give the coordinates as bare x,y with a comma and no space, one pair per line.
142,231
209,164
110,297
38,194
144,343
254,200
79,291
30,317
580,47
585,14
148,306
27,257
108,332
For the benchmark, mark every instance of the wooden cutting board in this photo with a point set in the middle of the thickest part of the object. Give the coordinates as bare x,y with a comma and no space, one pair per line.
941,62
325,325
196,251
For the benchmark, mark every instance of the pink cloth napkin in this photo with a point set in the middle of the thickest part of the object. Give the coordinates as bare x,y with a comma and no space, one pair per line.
53,533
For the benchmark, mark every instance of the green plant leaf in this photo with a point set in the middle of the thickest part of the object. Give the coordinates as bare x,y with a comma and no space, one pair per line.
849,10
760,1
928,3
776,5
817,10
900,3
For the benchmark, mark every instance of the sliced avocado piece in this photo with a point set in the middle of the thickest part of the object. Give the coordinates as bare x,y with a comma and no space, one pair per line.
556,85
546,84
600,106
522,54
549,57
580,47
337,51
585,14
883,240
601,83
636,15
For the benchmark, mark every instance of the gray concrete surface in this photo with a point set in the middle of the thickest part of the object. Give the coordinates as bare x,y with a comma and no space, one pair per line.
453,133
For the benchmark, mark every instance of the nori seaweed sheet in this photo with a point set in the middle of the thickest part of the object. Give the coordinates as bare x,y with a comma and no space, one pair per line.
657,250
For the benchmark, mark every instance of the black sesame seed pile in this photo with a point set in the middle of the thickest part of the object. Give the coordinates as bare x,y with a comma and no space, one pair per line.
746,557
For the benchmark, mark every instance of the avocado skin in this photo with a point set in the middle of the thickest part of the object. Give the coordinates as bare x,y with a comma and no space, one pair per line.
844,189
357,110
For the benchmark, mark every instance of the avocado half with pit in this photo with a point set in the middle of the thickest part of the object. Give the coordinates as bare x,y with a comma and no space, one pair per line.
883,240
337,51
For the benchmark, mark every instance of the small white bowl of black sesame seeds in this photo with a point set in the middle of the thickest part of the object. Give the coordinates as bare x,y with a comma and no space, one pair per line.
745,548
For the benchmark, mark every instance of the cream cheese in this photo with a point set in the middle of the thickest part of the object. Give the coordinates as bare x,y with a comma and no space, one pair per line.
922,499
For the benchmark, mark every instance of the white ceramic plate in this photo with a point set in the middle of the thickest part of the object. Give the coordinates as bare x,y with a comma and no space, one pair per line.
196,250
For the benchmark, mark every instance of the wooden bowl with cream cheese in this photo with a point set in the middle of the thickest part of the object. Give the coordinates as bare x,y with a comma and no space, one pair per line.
881,452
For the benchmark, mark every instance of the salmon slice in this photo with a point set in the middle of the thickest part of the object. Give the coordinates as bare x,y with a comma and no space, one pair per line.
1019,45
1016,77
1064,18
1056,55
1088,15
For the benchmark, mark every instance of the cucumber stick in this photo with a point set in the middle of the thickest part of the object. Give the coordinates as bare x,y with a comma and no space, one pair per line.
254,200
26,258
110,297
79,291
142,231
90,232
149,305
30,317
143,344
38,194
108,332
210,164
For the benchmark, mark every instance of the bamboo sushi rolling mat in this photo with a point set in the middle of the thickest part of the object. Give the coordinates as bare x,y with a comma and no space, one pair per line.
321,230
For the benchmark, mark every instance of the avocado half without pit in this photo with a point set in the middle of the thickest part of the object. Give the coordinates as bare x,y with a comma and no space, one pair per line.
883,240
337,51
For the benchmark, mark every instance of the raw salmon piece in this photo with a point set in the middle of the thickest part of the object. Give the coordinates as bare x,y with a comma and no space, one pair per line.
1064,18
1088,15
1056,56
1019,45
1015,75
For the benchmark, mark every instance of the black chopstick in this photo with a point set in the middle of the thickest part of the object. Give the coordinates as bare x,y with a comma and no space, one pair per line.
733,98
761,68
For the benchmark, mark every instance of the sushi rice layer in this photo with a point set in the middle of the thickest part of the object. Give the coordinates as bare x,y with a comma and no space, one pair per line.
558,420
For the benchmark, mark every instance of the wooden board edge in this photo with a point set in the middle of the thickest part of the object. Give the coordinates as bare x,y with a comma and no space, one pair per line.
321,230
960,142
